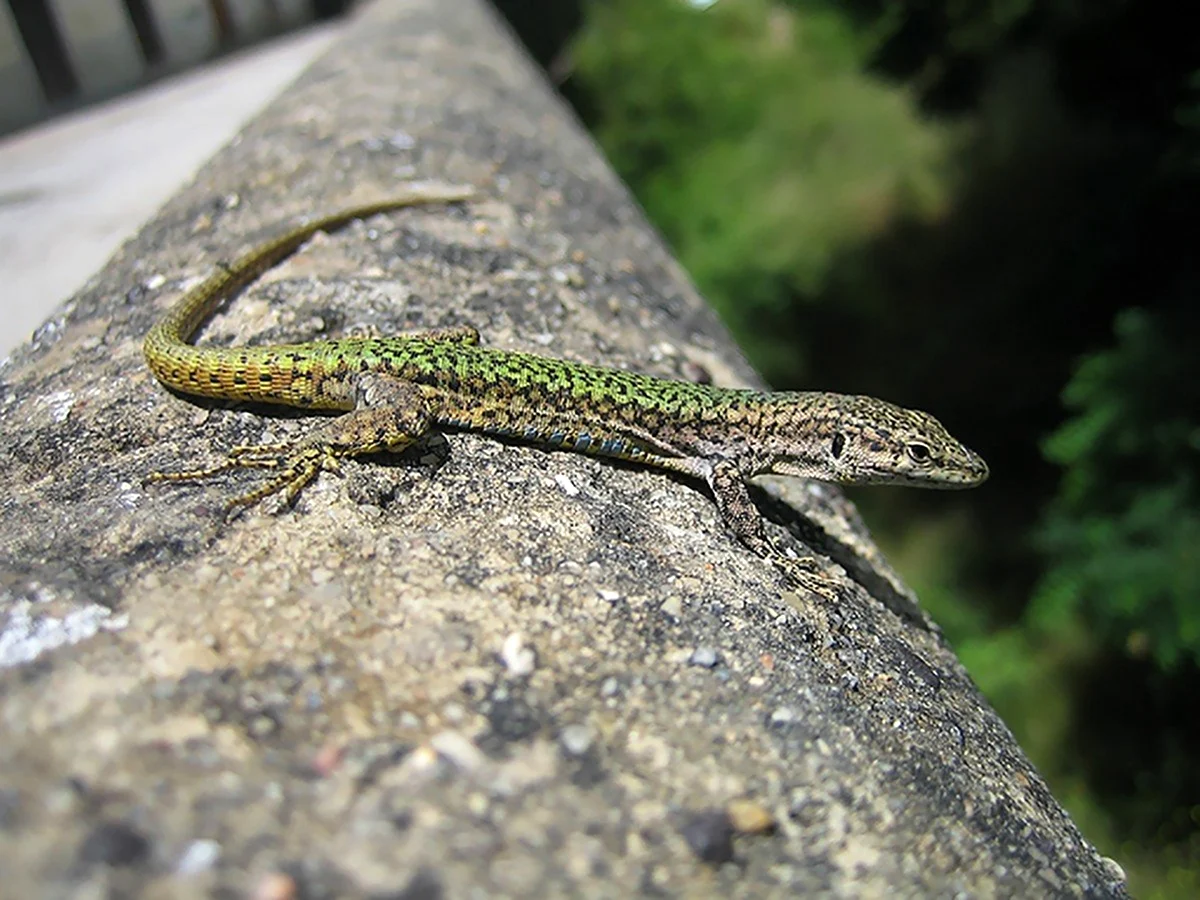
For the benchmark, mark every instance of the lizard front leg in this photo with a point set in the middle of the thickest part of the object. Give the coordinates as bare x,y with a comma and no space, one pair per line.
742,517
390,414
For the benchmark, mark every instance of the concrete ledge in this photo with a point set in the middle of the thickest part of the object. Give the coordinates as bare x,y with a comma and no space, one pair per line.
493,671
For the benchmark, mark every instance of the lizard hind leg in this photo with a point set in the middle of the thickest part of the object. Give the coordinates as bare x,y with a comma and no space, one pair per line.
390,415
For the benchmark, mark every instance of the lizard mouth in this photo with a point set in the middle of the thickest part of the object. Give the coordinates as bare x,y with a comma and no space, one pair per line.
973,472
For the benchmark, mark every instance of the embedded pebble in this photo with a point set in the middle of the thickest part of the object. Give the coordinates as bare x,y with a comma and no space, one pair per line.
705,657
576,739
517,658
567,486
458,749
200,856
783,715
275,886
749,817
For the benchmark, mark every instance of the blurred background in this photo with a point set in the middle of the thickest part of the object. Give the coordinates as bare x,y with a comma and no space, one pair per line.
990,211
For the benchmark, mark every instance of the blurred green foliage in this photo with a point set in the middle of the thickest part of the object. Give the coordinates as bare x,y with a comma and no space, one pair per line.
745,107
1123,533
989,210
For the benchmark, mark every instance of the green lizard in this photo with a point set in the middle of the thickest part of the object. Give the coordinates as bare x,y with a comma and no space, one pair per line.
394,390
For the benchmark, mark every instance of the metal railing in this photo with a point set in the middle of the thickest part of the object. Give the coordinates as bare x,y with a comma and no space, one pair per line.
60,54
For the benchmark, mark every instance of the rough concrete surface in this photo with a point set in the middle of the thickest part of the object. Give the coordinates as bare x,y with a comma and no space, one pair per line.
480,669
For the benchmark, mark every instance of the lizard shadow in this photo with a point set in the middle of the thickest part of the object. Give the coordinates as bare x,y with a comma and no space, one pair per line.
816,538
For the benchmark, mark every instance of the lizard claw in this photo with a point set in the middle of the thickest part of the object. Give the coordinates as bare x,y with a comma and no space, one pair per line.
804,573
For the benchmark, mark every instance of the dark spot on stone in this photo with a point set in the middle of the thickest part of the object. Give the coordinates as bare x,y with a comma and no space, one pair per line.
918,672
36,671
512,720
114,844
10,808
587,771
710,835
425,885
806,812
696,373
79,787
376,767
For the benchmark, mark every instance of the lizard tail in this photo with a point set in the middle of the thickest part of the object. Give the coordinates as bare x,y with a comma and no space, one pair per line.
178,364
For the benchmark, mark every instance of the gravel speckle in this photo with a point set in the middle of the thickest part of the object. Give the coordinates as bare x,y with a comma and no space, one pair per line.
672,607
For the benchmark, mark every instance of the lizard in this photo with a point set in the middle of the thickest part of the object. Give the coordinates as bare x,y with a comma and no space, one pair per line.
391,391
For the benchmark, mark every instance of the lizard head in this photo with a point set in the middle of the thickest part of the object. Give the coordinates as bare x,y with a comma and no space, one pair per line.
862,440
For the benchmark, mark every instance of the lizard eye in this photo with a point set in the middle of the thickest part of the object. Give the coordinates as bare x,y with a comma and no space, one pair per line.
918,453
839,444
